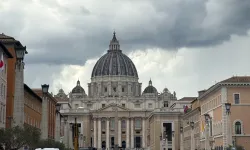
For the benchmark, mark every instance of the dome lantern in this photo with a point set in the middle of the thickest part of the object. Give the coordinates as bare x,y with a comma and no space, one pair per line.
114,43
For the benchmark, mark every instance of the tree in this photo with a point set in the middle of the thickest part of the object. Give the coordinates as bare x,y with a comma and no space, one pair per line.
49,143
17,137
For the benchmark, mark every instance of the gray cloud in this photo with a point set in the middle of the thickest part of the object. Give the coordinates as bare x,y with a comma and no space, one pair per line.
69,33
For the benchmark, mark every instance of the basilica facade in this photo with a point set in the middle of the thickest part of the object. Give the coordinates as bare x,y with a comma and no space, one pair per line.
117,111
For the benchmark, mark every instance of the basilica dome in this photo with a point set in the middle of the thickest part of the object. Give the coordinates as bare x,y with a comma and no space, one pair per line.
114,62
78,88
150,88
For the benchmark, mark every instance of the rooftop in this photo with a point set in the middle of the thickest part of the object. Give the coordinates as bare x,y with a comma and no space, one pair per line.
237,79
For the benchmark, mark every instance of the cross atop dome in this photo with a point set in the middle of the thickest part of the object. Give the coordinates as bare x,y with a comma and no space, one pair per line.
150,82
114,43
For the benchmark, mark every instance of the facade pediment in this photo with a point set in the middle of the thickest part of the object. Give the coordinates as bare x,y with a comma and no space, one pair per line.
113,107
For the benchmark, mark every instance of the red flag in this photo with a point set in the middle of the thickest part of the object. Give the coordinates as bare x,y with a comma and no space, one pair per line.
1,63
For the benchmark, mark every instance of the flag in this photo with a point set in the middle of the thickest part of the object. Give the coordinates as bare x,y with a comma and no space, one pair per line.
202,126
1,62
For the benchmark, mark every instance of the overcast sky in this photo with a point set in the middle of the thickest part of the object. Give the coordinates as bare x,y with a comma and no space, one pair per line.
184,45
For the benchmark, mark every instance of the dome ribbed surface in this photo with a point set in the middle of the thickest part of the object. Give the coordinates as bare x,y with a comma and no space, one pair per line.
78,88
114,63
150,89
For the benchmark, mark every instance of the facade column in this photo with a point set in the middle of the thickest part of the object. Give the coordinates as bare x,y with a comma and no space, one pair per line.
119,132
99,134
173,142
143,133
18,114
127,134
107,133
58,127
192,139
109,88
44,121
166,143
95,132
132,132
71,137
66,135
181,140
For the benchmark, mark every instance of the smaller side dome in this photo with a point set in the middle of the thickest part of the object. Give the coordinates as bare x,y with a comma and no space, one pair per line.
150,88
78,88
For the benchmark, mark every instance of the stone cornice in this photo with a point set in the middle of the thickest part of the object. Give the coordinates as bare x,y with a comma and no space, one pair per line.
219,85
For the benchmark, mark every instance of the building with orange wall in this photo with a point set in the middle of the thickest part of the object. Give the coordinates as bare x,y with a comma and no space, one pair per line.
224,130
51,112
9,43
32,107
5,55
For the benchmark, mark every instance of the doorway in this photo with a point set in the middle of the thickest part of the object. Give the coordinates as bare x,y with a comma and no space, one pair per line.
103,144
123,144
138,142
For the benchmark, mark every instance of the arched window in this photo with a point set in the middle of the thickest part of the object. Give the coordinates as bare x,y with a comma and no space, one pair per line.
237,127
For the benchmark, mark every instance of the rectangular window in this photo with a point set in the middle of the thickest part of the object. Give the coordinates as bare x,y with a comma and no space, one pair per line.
150,105
236,98
138,123
123,105
105,89
114,89
137,105
76,105
123,89
112,123
165,104
123,124
103,105
89,105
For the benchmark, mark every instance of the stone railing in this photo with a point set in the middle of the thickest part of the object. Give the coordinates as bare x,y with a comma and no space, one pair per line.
82,110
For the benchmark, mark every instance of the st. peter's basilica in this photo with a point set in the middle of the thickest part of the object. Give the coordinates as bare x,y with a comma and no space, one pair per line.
116,111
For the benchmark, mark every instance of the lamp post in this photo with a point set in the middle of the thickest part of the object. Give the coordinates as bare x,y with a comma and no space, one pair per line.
58,126
44,122
229,134
207,119
181,145
18,113
173,140
192,135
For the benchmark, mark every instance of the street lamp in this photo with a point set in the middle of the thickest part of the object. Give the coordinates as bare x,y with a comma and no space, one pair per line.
18,113
20,51
228,111
207,117
65,119
181,129
58,106
192,124
45,88
173,133
228,107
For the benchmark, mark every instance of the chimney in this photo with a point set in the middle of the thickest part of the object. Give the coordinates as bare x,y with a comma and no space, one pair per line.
201,92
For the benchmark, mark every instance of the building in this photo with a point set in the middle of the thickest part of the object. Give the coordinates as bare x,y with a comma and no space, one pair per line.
219,125
32,107
51,107
117,111
5,55
190,139
10,43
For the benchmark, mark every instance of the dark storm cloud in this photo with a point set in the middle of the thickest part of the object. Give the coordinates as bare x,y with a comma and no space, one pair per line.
82,31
